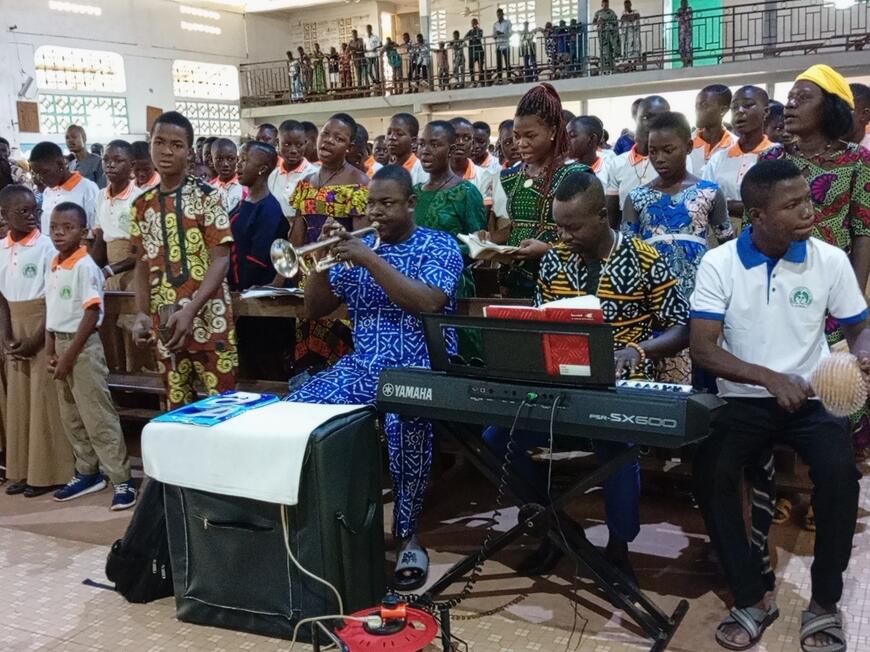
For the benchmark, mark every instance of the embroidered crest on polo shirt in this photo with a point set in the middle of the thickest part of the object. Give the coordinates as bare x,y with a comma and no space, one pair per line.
800,297
29,270
66,292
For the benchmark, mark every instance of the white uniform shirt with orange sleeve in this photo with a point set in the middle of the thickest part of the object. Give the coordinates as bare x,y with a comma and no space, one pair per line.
71,287
24,266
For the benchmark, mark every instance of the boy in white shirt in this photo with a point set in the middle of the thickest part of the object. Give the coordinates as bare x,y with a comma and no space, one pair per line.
401,138
758,317
225,156
461,163
61,185
728,167
144,173
585,133
112,222
74,311
710,136
292,166
38,456
480,153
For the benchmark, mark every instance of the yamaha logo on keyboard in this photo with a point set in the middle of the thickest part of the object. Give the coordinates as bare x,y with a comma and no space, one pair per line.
636,419
414,392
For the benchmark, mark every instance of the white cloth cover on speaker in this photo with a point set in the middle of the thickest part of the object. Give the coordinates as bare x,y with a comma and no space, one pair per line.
256,455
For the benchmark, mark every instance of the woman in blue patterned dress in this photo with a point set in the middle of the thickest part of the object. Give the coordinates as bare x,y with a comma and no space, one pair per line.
415,270
675,211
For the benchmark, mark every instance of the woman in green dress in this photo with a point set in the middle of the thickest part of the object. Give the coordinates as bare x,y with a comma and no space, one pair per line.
317,61
525,192
447,202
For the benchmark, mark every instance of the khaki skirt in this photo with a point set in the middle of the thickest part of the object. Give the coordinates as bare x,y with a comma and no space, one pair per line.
36,448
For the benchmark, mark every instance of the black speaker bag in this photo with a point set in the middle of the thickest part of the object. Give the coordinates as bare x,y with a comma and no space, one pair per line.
139,563
229,559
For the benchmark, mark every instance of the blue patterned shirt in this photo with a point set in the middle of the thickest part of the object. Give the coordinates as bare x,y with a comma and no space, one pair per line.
384,334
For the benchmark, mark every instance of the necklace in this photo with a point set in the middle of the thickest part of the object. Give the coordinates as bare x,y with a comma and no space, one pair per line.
448,179
530,181
320,182
818,154
596,271
642,175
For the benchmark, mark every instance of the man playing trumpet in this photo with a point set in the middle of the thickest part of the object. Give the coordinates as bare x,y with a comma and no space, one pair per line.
415,270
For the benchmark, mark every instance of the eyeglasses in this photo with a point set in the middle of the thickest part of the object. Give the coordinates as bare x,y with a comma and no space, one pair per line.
23,212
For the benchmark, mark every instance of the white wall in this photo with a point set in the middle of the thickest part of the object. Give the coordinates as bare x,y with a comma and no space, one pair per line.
147,33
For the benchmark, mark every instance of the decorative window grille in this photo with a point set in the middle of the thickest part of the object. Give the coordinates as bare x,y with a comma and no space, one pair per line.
74,69
207,81
309,36
563,10
345,27
438,27
519,13
99,115
211,118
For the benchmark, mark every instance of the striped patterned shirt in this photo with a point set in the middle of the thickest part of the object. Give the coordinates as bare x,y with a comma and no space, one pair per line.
639,294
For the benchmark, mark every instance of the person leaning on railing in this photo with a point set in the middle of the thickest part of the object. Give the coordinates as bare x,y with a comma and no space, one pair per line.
474,36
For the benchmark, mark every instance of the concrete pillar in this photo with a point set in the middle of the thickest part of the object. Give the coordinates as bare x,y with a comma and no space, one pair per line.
425,8
583,11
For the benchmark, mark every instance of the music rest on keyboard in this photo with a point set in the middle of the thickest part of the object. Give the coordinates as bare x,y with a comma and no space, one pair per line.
664,415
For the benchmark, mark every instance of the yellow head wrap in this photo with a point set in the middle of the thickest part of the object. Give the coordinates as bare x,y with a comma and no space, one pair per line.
829,80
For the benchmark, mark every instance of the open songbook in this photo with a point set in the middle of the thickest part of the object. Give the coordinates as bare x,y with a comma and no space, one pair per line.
484,249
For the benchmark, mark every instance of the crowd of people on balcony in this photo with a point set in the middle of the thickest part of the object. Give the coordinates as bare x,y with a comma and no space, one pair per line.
366,64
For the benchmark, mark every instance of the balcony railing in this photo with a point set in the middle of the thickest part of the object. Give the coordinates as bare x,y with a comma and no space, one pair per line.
736,33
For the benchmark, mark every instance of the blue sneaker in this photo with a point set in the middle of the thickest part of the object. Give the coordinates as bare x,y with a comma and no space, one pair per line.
80,485
125,496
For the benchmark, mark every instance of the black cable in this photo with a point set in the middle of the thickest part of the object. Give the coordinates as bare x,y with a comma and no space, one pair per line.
427,604
558,523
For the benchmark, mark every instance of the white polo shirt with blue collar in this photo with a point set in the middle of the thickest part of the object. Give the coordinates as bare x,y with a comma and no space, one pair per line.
772,310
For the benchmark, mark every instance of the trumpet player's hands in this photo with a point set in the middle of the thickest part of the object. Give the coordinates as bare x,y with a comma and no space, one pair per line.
353,250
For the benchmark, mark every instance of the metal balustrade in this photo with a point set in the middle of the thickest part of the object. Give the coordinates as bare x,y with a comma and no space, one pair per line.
729,34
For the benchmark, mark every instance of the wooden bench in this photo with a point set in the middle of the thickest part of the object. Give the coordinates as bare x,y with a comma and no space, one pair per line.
138,396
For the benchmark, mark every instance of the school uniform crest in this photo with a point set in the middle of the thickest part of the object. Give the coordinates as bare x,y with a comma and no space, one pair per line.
29,270
800,297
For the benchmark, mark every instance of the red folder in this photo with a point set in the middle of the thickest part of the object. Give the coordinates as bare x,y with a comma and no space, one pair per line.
564,354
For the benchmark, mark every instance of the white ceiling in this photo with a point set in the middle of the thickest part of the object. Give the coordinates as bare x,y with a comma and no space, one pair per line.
256,6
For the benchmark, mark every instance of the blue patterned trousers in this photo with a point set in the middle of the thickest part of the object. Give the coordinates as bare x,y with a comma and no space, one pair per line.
409,440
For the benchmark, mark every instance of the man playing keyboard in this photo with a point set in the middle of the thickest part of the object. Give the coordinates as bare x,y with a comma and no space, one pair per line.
639,296
415,270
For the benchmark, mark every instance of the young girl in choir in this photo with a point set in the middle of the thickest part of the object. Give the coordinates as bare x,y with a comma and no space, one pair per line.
38,455
674,212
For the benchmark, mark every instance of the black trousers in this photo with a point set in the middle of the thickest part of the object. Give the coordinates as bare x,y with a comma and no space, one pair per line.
744,429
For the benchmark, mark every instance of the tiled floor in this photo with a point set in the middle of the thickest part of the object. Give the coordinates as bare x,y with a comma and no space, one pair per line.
48,551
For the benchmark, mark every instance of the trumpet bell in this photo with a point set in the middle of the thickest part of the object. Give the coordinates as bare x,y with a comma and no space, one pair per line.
284,258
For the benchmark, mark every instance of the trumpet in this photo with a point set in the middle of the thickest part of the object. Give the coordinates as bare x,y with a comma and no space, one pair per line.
289,260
